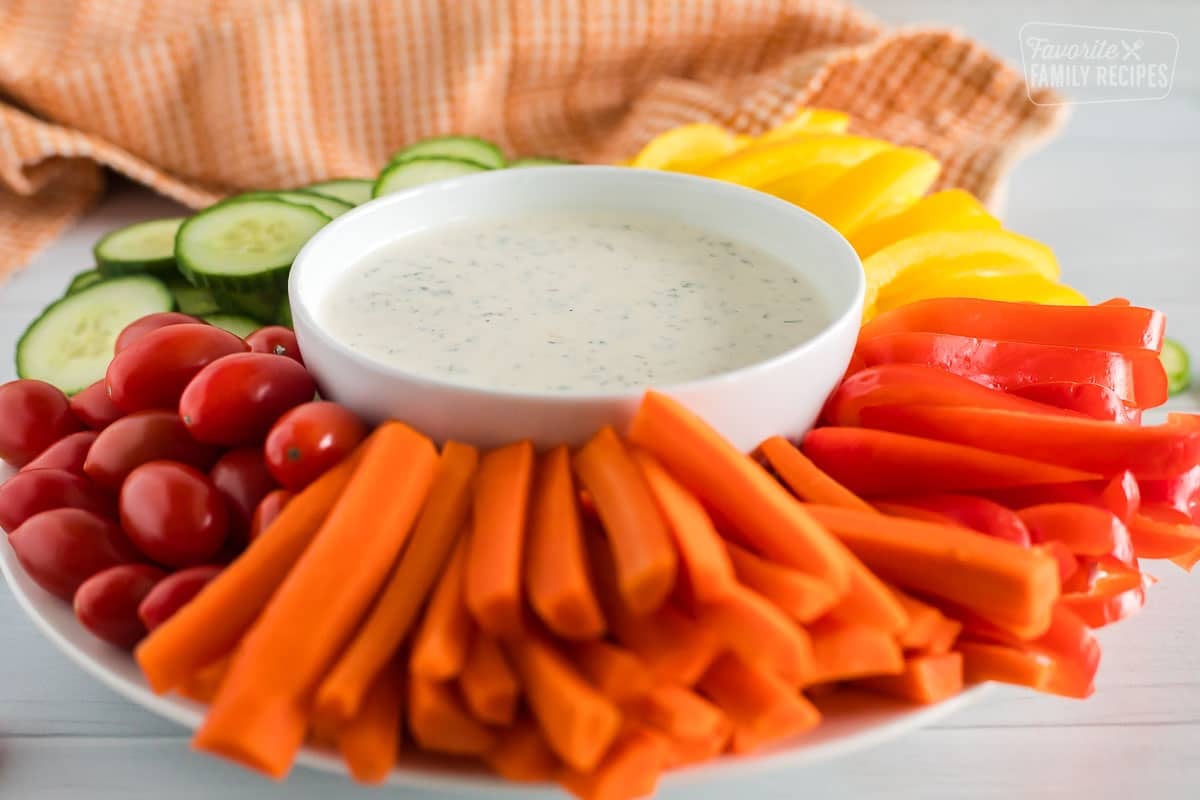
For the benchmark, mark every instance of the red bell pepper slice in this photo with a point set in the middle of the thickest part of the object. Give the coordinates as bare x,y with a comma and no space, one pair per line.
874,462
1117,328
1068,562
917,384
1106,594
1181,493
1189,421
1116,301
978,513
1085,444
1137,377
1121,495
1187,560
1089,399
1085,530
1163,532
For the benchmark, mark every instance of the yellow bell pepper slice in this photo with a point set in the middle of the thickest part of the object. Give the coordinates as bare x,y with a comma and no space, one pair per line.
928,255
686,148
1018,288
808,120
947,210
891,179
801,187
762,164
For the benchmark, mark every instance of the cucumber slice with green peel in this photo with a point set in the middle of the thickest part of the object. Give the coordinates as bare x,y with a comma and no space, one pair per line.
406,174
540,161
256,305
354,191
140,247
464,148
236,324
1178,366
245,244
84,280
283,315
71,343
329,206
194,300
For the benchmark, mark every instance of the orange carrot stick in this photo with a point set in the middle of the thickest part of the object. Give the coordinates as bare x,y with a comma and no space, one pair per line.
763,708
440,724
493,566
415,575
681,714
444,635
926,624
944,637
641,544
749,625
556,570
705,562
259,716
630,769
843,651
1011,586
616,672
370,740
869,600
763,512
805,478
1004,664
925,679
578,722
212,624
801,596
488,683
521,754
698,749
202,685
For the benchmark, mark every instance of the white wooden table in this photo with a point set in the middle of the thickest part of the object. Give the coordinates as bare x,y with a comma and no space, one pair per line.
1117,196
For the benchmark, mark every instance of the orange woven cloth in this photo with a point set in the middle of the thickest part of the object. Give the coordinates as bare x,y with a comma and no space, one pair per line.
199,98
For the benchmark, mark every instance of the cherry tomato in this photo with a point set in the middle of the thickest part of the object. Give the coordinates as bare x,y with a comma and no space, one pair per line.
236,400
140,438
33,416
93,408
174,592
268,509
68,453
152,322
38,490
310,439
107,603
62,548
153,371
173,513
243,478
275,340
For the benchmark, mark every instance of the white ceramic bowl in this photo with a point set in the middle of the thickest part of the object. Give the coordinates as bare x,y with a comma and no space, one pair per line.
781,395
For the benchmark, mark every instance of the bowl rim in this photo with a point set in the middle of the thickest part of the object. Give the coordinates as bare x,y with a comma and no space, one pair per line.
301,309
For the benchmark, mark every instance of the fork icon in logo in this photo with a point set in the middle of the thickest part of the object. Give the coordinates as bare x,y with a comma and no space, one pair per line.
1132,50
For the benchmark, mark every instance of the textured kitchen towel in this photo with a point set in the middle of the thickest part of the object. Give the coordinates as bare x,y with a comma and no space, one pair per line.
199,98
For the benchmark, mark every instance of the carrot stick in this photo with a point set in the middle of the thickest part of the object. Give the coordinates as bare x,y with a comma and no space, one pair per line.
805,478
997,662
212,624
681,714
521,754
763,708
202,685
259,715
616,672
925,679
488,683
894,509
749,625
641,544
803,597
870,601
370,741
944,637
556,571
415,575
924,621
762,511
705,563
440,724
578,722
843,651
1013,587
698,749
630,769
493,567
444,635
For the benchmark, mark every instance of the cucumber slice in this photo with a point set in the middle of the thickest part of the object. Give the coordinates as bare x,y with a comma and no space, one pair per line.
1178,365
256,305
234,323
245,244
71,343
193,300
283,315
84,280
329,206
540,161
140,247
463,148
354,191
406,174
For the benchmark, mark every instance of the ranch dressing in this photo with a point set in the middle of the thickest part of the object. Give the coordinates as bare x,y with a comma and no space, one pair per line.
570,302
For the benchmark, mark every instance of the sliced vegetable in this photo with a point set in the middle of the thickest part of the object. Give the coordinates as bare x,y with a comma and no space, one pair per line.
487,682
763,708
258,306
193,300
616,672
746,623
804,478
354,191
797,594
539,161
1178,366
329,206
85,279
236,324
401,175
140,247
440,723
844,651
467,148
442,642
370,741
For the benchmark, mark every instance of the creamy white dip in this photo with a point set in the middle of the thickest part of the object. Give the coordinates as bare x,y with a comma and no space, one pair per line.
570,302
